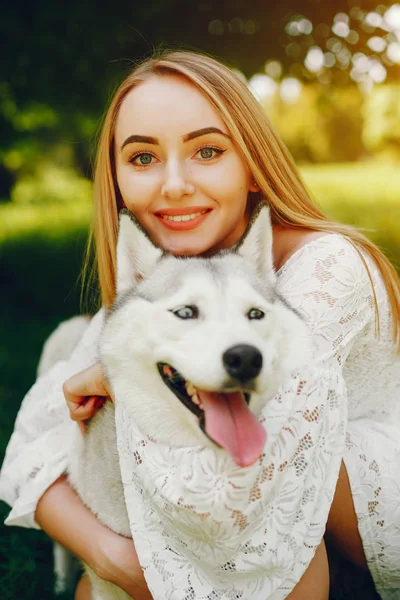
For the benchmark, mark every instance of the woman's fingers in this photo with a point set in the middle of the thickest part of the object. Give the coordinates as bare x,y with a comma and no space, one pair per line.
86,411
85,393
89,382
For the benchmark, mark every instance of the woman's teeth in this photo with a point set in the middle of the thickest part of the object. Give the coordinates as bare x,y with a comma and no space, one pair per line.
179,218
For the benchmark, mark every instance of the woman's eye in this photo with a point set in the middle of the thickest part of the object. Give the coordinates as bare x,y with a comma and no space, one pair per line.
186,312
255,313
142,160
208,152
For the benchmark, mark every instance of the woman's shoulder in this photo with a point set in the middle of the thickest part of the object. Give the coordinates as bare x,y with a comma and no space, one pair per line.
327,274
326,282
308,249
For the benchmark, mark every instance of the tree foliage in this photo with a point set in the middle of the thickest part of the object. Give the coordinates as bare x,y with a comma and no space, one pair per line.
62,61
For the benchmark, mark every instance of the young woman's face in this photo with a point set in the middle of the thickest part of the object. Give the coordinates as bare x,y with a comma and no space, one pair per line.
177,168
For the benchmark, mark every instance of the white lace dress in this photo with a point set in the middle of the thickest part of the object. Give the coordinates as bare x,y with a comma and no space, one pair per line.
348,404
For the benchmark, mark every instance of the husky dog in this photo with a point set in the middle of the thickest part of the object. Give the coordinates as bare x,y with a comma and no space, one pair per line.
194,348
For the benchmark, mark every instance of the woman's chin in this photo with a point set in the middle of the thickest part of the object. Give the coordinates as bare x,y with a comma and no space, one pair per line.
192,250
194,247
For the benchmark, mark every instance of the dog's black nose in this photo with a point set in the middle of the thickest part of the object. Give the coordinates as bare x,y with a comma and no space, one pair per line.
243,362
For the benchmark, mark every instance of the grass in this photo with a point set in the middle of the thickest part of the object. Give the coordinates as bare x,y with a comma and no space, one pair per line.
361,184
41,249
45,221
366,195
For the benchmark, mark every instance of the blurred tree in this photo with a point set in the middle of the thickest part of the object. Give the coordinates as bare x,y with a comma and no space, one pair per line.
323,125
340,111
382,120
61,61
67,53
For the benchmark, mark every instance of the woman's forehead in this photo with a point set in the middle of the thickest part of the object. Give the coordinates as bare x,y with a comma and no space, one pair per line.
166,105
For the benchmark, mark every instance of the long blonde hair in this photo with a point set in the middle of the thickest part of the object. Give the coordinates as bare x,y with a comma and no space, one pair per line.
266,155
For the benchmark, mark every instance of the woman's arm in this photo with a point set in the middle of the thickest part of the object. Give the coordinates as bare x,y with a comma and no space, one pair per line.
64,517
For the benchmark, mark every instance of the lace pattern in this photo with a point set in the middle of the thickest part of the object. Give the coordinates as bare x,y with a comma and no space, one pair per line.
201,523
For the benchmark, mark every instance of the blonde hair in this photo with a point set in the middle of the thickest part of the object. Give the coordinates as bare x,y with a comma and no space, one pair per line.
266,155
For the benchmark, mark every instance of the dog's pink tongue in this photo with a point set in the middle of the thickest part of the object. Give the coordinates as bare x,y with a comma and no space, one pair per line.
232,425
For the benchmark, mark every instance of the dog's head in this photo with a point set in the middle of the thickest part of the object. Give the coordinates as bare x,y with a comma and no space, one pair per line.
196,346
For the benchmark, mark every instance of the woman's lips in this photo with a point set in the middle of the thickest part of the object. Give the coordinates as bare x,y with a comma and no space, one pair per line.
163,215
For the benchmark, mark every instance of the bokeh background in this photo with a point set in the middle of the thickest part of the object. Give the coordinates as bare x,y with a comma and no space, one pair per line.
326,73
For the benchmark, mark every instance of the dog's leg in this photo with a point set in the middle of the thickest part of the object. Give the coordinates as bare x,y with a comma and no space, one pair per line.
66,569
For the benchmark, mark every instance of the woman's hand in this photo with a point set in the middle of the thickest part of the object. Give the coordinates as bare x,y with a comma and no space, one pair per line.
118,563
85,393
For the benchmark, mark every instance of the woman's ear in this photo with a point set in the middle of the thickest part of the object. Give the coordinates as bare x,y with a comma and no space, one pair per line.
254,187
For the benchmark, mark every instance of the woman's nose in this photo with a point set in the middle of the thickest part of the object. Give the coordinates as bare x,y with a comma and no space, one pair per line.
176,183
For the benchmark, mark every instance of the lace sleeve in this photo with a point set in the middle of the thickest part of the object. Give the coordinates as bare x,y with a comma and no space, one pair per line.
37,452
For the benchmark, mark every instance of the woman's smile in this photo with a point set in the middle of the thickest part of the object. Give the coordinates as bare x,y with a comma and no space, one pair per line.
184,218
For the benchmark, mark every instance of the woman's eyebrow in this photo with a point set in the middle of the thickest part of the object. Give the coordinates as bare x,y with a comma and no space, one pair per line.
142,139
145,139
204,131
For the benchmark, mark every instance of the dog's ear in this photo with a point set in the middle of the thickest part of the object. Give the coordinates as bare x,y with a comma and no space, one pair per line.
256,244
136,254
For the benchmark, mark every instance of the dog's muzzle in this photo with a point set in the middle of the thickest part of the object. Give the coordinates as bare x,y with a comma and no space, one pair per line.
224,415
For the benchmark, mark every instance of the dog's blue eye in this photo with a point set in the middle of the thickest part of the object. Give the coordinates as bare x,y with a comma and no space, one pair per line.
255,313
186,312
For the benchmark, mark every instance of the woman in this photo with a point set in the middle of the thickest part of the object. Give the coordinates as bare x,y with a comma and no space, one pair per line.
183,136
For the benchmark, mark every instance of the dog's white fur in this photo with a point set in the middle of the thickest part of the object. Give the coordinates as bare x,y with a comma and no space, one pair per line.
140,331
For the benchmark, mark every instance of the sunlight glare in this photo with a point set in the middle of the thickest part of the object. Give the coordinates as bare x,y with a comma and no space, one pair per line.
262,86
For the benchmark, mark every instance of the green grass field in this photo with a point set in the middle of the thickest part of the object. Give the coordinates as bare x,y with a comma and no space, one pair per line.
364,195
41,249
